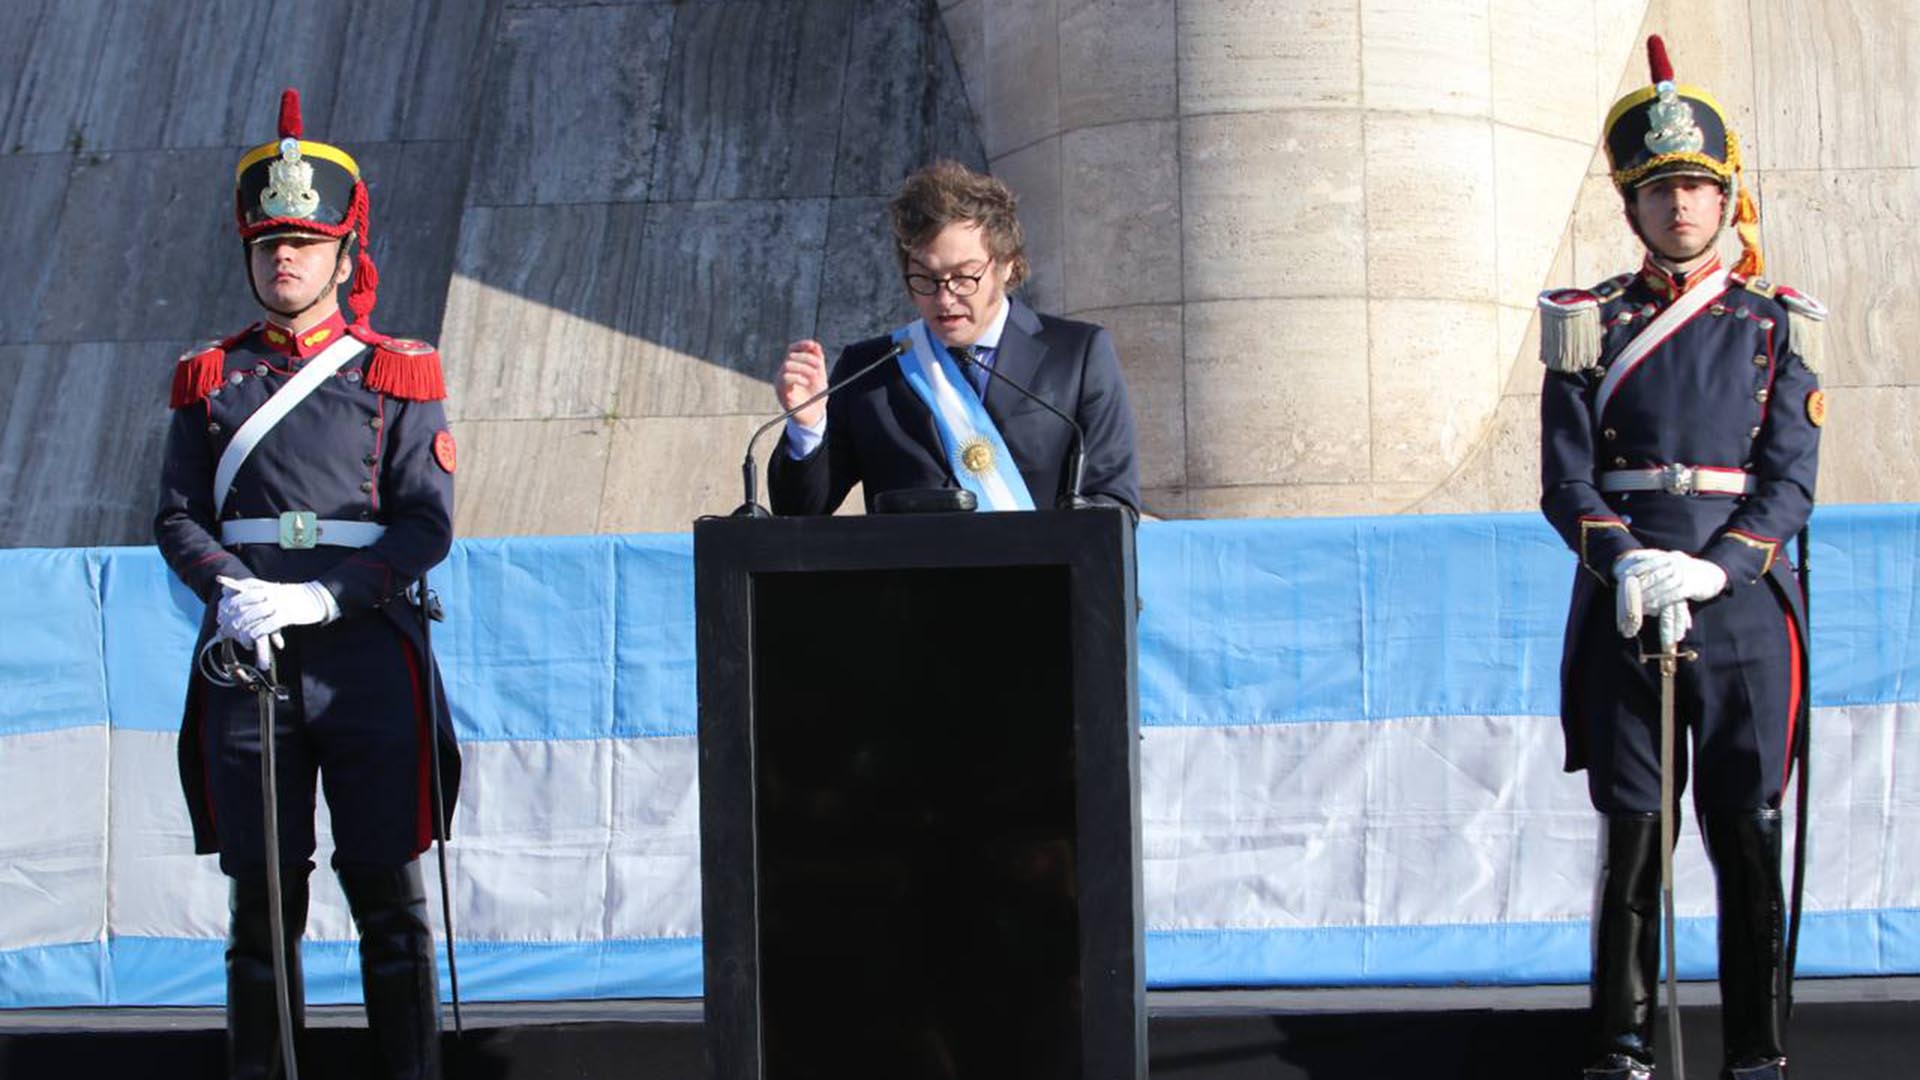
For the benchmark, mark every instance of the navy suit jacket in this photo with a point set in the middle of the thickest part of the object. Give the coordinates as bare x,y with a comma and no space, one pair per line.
880,434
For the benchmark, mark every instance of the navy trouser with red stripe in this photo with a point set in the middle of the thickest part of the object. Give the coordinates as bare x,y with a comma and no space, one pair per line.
1735,706
355,722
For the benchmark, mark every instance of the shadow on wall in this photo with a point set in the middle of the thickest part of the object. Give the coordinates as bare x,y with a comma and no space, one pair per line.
670,181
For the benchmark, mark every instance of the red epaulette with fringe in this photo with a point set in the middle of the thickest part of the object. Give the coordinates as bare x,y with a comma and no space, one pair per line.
402,367
201,368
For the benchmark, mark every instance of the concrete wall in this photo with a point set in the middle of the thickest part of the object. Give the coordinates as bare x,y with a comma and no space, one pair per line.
1318,226
1315,226
612,216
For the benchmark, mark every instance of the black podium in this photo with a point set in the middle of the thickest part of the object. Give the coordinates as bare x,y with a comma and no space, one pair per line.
919,809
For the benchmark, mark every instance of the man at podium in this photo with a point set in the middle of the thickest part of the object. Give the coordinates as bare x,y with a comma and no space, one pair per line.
948,411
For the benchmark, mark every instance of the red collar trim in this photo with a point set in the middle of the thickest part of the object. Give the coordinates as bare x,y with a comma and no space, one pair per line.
1669,286
305,345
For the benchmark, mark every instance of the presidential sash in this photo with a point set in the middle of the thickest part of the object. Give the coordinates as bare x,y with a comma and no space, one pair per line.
974,448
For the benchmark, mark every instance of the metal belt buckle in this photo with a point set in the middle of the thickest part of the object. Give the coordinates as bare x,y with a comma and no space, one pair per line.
299,530
1678,479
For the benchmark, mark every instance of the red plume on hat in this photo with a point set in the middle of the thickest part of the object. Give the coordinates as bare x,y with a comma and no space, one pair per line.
1657,63
290,113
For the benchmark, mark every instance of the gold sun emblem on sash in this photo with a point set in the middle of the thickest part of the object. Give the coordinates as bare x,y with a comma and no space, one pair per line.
977,456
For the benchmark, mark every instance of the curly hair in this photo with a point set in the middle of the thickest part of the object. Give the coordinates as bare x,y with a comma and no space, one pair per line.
948,193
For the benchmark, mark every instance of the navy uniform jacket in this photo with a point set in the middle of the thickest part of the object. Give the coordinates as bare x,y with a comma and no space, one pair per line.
369,444
1731,388
881,434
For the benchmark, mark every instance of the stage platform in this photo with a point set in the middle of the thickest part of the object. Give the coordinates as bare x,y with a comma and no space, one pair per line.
1843,1028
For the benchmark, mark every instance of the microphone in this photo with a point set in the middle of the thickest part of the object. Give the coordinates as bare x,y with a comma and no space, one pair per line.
1070,499
750,473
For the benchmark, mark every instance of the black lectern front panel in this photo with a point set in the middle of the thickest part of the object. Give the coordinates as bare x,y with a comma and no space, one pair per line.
913,734
919,797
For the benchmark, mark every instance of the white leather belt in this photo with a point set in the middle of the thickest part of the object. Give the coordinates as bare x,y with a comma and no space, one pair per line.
298,529
1680,480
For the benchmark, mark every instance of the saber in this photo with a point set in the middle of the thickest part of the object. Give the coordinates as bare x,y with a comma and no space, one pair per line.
1669,660
430,612
267,689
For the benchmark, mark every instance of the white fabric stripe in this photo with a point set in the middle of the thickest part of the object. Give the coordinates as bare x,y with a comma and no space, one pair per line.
1414,822
574,840
53,836
1663,326
304,382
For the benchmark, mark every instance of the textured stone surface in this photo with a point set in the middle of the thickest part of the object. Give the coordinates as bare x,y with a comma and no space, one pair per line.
1272,205
1430,207
896,118
1252,55
80,449
1870,445
1151,344
1434,380
171,218
1504,475
535,325
1122,196
755,95
1033,172
1536,179
1021,52
861,294
729,284
1847,239
668,470
1545,67
415,71
556,471
1301,500
32,187
545,134
414,189
1117,61
1825,114
1277,392
1426,55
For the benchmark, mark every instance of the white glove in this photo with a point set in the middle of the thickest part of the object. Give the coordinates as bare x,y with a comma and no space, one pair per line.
1675,620
1629,596
1627,607
1678,578
253,612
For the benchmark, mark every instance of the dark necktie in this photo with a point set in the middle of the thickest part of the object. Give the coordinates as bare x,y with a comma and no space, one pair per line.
976,372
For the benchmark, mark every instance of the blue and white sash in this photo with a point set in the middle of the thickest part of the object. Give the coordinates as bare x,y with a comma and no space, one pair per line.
974,448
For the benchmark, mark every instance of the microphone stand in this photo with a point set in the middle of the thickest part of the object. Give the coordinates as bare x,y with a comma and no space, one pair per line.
750,473
1071,499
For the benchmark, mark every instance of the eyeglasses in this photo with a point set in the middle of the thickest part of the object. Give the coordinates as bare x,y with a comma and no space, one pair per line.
957,284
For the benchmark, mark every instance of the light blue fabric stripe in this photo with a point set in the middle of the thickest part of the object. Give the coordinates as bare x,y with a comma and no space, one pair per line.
183,971
51,666
1244,622
1852,943
166,971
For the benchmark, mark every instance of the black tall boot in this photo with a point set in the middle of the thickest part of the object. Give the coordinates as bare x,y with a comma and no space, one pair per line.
253,1013
1626,948
1745,850
396,967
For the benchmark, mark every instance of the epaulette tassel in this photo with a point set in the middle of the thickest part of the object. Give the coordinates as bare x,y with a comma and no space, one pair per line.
409,374
1569,331
195,376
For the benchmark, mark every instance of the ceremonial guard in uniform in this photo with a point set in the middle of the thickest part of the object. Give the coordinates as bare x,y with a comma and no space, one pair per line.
308,483
1680,420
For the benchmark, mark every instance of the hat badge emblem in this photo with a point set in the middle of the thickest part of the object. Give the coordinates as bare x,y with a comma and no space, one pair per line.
289,192
1671,129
